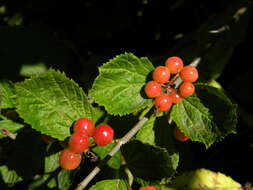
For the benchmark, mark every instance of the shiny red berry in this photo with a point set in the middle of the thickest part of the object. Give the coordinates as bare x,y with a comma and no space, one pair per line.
174,64
79,142
189,74
163,102
153,89
179,135
161,74
176,98
84,125
69,160
186,89
103,135
147,188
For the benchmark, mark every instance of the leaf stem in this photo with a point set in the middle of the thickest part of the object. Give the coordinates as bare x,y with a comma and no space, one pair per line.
124,140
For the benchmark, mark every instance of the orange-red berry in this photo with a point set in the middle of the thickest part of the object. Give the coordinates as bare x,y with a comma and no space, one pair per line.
147,188
69,160
103,135
161,74
179,135
176,98
189,74
153,89
186,89
163,102
84,125
79,142
175,64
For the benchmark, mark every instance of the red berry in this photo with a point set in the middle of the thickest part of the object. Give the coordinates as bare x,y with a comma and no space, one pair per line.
84,125
186,89
163,102
175,64
69,160
189,74
161,74
79,142
176,98
153,89
180,135
103,135
147,188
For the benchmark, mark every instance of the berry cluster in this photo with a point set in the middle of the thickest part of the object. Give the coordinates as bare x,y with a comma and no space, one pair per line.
161,87
78,143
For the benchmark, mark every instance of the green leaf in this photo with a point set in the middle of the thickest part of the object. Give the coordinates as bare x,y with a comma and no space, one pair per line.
51,102
149,164
10,177
10,126
120,82
65,179
204,179
6,94
102,152
51,162
147,134
206,117
115,184
30,70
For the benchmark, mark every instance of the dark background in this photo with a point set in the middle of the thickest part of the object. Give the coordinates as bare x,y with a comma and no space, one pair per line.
78,36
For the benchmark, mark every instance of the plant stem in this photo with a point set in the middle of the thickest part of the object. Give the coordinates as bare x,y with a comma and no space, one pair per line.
124,140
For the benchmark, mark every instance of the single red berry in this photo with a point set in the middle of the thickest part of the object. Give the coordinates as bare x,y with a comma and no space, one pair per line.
179,135
79,142
175,64
163,102
161,74
189,74
186,89
153,89
103,135
69,160
176,98
147,188
84,125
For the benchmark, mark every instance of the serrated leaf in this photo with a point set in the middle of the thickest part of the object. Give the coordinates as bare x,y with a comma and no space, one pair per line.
51,102
10,126
115,184
51,162
204,179
148,163
6,94
206,117
10,177
30,70
120,82
102,152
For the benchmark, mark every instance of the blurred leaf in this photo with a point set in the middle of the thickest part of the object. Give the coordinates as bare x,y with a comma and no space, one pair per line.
10,125
10,177
204,179
206,117
30,70
115,184
51,102
119,84
6,94
102,152
149,164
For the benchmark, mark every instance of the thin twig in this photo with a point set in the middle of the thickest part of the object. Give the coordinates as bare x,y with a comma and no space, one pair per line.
124,140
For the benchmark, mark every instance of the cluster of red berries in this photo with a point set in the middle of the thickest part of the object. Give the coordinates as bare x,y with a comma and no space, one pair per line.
78,143
161,87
